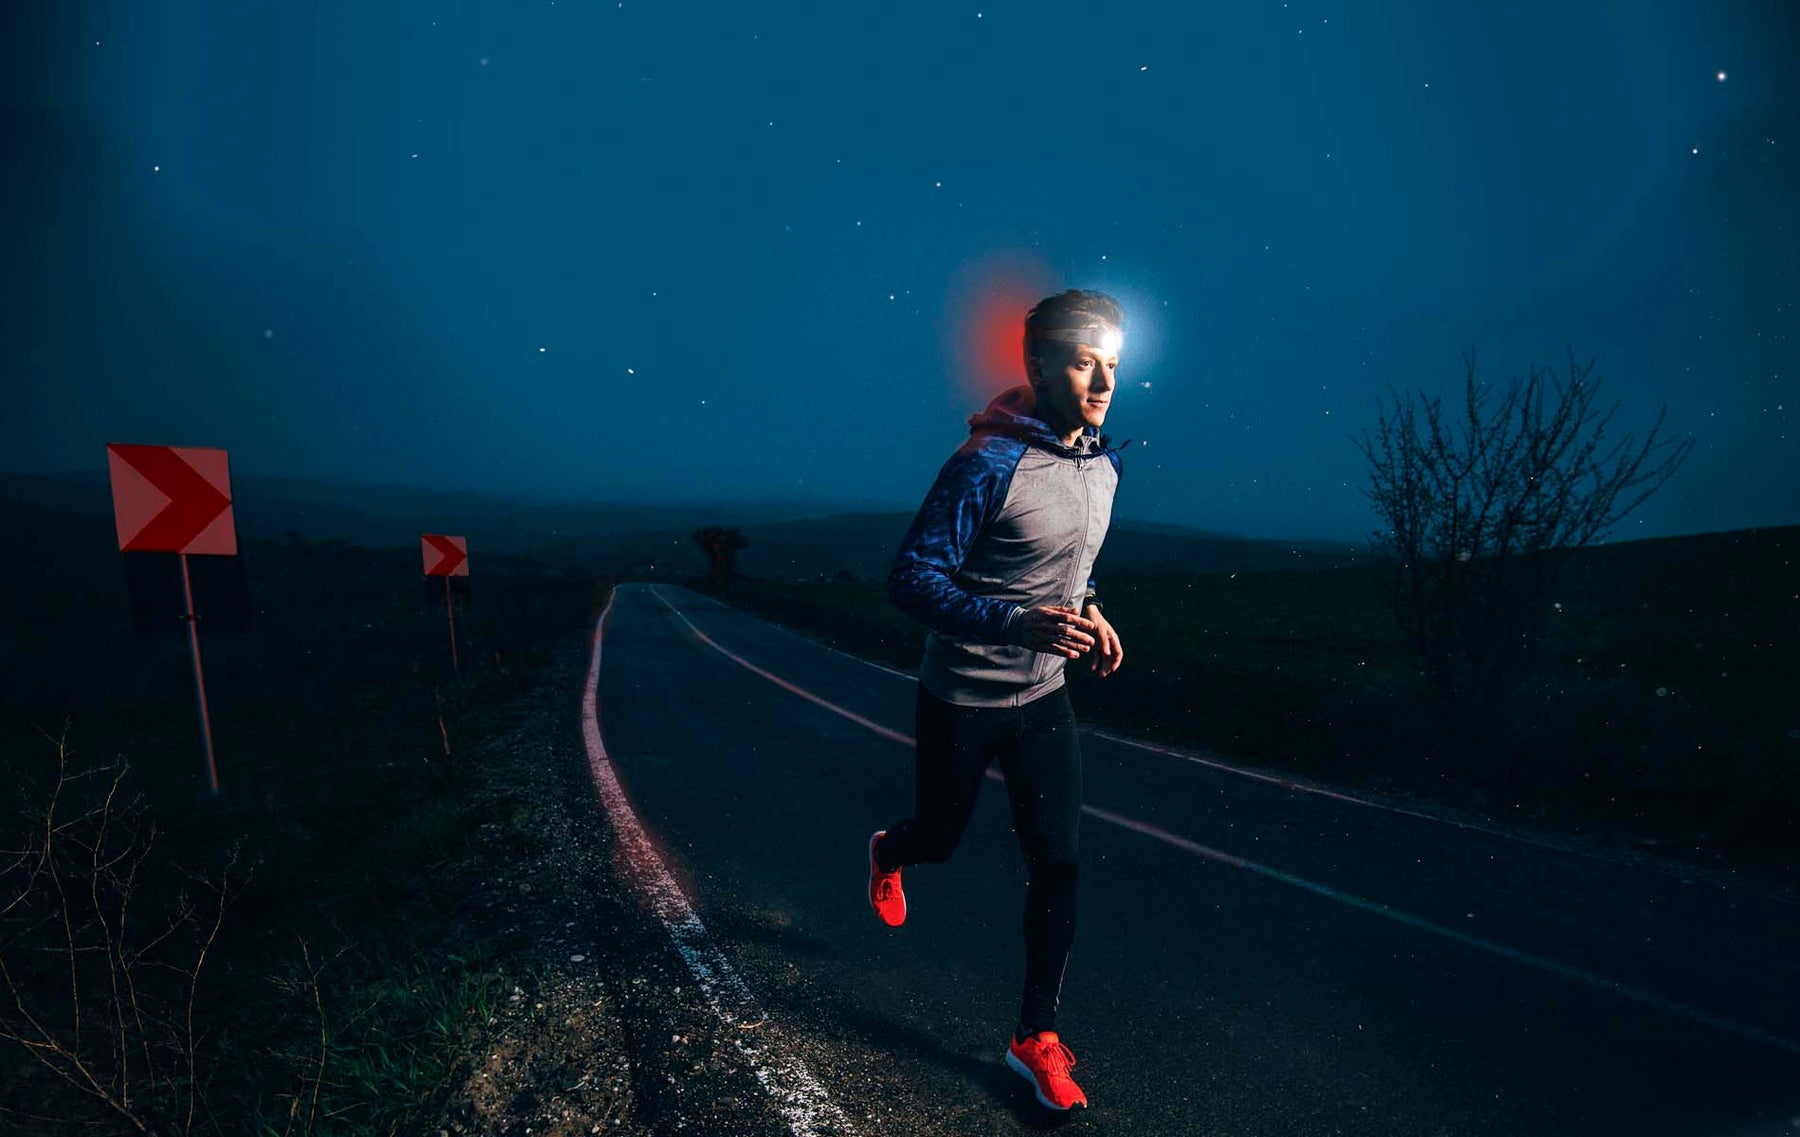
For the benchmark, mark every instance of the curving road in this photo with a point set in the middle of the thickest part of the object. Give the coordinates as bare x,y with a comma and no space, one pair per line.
1251,959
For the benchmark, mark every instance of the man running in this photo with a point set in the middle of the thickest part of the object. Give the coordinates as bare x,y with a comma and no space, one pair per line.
998,566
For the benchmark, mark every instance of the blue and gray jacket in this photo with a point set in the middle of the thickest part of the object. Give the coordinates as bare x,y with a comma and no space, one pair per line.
1014,521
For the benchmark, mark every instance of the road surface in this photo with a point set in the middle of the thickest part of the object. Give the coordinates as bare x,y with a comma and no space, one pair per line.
1251,958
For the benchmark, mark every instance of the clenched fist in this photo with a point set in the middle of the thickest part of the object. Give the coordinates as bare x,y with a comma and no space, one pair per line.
1058,630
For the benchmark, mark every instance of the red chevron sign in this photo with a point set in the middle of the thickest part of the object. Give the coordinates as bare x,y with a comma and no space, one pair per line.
446,556
172,499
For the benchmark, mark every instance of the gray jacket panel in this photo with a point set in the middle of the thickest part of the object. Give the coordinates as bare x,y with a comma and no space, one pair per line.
1014,521
1040,550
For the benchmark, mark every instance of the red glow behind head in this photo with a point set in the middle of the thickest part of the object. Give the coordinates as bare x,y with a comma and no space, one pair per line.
987,309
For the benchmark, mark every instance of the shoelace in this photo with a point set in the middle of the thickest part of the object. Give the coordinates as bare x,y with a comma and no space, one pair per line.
1058,1059
884,890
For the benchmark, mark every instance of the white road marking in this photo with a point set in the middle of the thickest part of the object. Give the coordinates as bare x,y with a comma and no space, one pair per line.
894,671
1296,785
1304,787
1542,963
894,735
802,1101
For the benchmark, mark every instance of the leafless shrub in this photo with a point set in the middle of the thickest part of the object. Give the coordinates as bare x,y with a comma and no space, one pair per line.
303,1104
1479,527
100,981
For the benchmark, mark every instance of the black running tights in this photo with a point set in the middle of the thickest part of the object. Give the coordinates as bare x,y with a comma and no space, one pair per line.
1041,760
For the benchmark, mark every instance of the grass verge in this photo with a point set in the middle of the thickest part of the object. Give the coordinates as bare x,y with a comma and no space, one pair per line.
305,953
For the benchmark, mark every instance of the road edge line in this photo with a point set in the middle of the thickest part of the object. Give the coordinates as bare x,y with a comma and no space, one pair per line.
885,732
801,1098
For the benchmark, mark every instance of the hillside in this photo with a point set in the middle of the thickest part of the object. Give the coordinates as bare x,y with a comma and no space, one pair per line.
383,516
797,540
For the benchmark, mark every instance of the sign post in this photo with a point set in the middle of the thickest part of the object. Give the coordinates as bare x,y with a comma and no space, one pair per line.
450,610
193,631
169,499
447,557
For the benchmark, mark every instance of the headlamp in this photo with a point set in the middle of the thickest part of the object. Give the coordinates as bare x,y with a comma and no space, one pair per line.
1104,337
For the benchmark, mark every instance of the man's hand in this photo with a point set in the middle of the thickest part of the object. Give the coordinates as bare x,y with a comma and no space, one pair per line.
1112,652
1057,630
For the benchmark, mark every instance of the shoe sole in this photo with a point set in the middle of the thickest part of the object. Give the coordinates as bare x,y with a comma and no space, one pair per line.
1024,1071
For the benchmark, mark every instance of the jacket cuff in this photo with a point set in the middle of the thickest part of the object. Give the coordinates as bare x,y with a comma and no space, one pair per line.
1015,622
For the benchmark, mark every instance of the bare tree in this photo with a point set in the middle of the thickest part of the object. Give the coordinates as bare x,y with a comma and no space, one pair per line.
1480,526
721,545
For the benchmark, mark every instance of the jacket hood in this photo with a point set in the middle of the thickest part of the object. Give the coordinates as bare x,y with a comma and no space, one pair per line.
1013,412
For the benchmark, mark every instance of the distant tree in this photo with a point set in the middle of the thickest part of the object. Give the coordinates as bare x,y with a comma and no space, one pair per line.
721,545
1479,527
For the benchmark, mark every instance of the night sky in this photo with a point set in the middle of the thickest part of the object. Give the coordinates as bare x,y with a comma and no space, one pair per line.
653,251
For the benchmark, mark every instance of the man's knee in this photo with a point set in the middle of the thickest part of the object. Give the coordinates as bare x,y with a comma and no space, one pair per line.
1053,866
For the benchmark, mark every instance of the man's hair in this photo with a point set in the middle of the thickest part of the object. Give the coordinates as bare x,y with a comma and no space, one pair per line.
1076,308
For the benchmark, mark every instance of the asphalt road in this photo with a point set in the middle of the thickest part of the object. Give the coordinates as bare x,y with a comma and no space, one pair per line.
1250,959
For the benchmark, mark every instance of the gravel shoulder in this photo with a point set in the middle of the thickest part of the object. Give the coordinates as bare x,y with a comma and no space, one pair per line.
601,1028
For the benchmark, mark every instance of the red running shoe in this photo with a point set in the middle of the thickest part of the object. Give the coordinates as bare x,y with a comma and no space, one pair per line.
885,895
1044,1061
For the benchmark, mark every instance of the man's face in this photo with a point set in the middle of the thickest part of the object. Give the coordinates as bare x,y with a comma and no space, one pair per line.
1075,384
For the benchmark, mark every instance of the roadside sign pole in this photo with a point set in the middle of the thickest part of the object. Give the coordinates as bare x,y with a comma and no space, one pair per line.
450,607
176,499
187,592
446,556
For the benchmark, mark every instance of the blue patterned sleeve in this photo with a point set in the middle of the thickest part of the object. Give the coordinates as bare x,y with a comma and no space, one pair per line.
968,493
